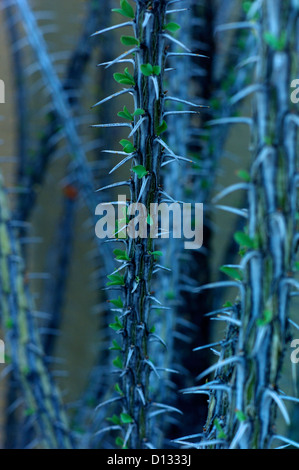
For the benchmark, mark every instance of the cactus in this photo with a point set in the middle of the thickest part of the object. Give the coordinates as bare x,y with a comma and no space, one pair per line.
145,355
149,52
43,404
245,393
146,151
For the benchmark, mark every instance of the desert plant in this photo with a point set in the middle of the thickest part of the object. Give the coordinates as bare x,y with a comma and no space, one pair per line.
41,401
245,393
148,151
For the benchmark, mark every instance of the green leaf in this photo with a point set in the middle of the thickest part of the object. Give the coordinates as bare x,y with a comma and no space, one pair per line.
125,418
243,240
121,255
244,175
297,266
128,74
246,6
138,112
125,114
140,171
123,79
220,434
117,325
120,442
125,9
267,318
147,69
124,142
162,128
118,389
115,420
153,329
276,43
156,254
128,147
227,305
156,70
117,302
240,415
116,280
232,272
9,323
149,220
29,411
118,363
129,41
172,27
120,11
116,346
25,370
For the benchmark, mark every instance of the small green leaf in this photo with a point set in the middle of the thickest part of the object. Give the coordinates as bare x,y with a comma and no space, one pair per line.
227,305
116,346
156,70
156,254
120,442
297,265
29,411
123,79
117,325
140,171
243,240
153,329
125,114
121,255
232,272
118,363
128,74
162,128
240,415
267,318
118,389
147,69
125,418
276,43
244,175
172,27
246,6
9,324
149,220
128,147
124,142
138,112
116,280
125,9
170,295
220,434
125,6
129,41
25,370
117,302
115,420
